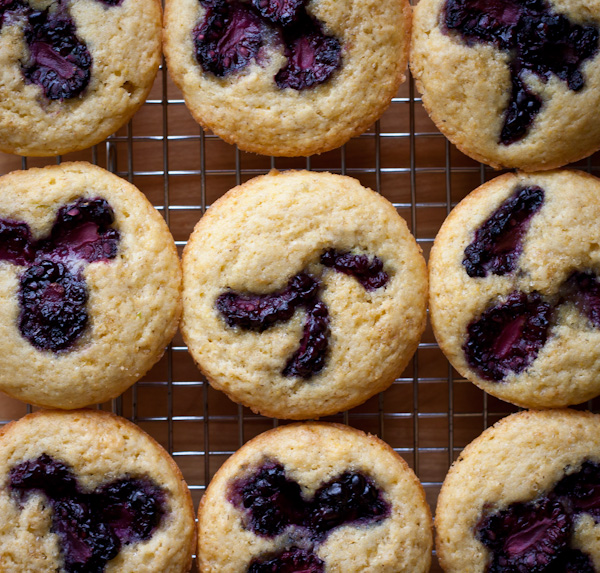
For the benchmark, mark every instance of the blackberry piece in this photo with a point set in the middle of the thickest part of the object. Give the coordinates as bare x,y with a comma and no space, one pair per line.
270,500
59,62
526,537
507,337
522,109
349,498
309,359
312,56
273,502
133,508
496,247
294,560
9,6
82,231
228,38
573,561
367,271
283,12
53,306
581,490
16,242
91,526
583,289
259,312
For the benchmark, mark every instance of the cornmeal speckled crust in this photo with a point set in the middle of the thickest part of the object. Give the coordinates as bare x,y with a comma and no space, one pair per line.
313,454
562,237
248,109
466,90
519,459
99,447
125,45
134,301
258,236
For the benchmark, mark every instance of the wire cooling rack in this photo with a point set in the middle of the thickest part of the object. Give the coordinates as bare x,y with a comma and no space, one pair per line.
428,415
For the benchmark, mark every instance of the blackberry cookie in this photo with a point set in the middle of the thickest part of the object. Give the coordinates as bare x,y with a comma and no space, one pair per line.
304,294
524,497
511,83
288,78
73,71
90,285
89,491
515,288
314,497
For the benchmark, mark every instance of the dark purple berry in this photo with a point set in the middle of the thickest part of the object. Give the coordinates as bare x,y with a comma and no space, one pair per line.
91,526
284,12
16,243
522,108
82,231
526,537
228,38
259,312
53,306
132,507
270,500
367,271
232,33
294,560
581,490
53,295
312,56
59,61
496,246
349,498
310,356
507,338
539,41
583,289
8,8
43,474
573,561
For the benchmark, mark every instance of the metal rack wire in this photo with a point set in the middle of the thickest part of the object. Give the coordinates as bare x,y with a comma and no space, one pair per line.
429,414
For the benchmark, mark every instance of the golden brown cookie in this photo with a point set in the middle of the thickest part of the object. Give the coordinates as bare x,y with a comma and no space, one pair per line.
514,289
74,71
90,285
287,78
524,496
89,491
315,497
511,83
304,294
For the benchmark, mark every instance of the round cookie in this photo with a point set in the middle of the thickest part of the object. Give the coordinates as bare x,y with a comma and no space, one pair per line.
90,285
314,497
524,496
73,72
90,491
514,288
304,294
287,78
513,84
